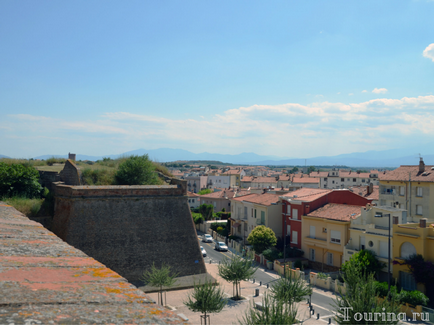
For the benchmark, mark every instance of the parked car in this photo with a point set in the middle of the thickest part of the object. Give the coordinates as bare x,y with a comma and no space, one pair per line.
207,238
220,246
203,251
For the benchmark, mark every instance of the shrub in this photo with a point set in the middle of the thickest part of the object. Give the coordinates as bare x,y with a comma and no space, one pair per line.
136,170
29,207
322,276
271,254
53,160
19,180
98,177
220,229
414,298
298,264
261,238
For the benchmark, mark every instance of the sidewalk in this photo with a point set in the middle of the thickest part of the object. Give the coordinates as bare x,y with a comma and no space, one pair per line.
234,310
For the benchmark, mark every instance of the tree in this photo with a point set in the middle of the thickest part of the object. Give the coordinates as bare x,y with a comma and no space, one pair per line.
262,238
19,180
290,289
310,169
206,298
159,277
367,260
205,191
360,304
273,312
207,211
236,270
137,170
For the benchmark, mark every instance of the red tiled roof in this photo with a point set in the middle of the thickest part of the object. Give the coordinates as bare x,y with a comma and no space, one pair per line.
307,194
338,212
263,199
305,180
225,193
192,194
405,171
363,190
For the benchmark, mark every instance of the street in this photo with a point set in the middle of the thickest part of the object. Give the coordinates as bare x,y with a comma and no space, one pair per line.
321,302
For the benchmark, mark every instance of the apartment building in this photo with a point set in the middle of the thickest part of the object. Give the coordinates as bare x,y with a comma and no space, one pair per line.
222,199
252,210
341,179
301,202
371,230
410,239
410,187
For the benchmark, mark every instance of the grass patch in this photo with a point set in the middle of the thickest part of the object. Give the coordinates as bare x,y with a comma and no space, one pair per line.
29,207
98,176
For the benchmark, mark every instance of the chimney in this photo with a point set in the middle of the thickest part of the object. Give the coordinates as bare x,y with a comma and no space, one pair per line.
421,166
422,223
307,209
395,220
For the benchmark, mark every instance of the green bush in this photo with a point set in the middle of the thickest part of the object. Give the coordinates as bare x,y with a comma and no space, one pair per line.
298,264
322,276
19,180
220,229
53,160
271,254
137,170
414,298
98,177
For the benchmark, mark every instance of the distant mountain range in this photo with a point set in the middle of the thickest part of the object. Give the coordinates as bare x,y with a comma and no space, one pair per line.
386,158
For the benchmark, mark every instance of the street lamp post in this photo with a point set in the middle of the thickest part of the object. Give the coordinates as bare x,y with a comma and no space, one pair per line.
388,256
284,249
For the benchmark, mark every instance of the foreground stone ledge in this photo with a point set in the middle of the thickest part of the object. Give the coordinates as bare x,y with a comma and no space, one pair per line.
43,280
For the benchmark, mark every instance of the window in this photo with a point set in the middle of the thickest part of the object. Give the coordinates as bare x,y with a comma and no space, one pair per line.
354,179
407,250
325,179
378,214
245,226
418,209
348,179
333,181
288,230
312,232
324,230
363,180
255,213
383,249
419,191
342,179
312,254
407,281
335,236
294,238
401,191
288,210
330,259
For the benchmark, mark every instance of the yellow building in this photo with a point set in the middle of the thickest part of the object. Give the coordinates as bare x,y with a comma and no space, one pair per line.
409,187
410,239
325,231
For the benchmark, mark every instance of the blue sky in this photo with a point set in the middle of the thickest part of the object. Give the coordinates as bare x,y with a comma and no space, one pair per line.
285,78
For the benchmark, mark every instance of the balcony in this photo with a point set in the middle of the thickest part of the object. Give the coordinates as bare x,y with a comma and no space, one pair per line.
316,238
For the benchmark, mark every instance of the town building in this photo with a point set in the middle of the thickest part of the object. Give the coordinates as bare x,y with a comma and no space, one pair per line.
410,187
252,210
222,199
371,230
411,239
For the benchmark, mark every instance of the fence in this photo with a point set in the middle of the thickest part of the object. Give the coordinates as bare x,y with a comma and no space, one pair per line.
430,312
327,283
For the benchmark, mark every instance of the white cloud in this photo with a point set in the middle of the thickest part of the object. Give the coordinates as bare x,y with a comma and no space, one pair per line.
379,90
351,94
429,52
364,91
307,130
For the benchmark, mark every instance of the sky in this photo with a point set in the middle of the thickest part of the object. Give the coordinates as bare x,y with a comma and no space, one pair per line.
283,78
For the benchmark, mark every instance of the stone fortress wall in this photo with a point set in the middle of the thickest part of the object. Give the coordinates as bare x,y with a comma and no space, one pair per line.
128,228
